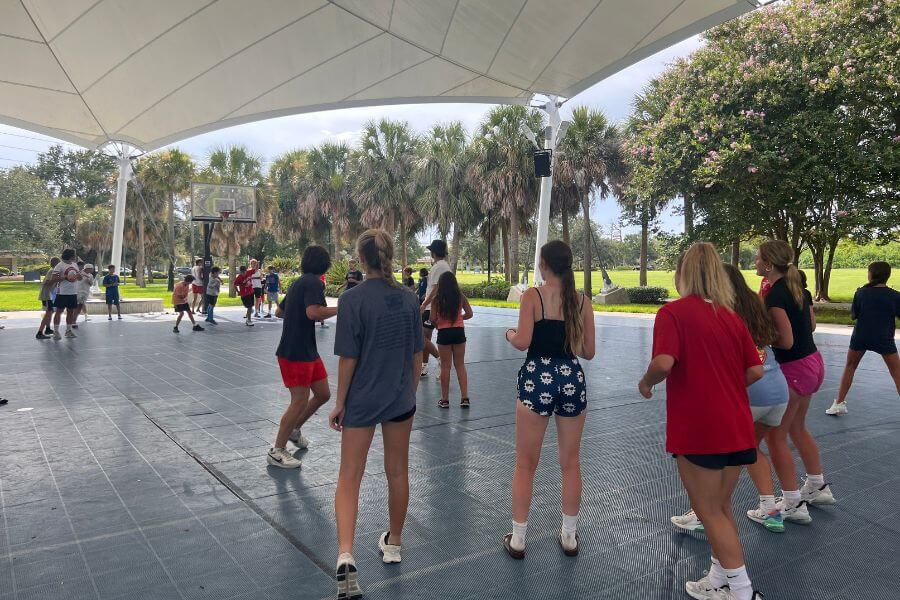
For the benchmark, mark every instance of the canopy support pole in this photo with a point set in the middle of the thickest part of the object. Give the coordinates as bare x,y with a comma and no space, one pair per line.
551,109
119,215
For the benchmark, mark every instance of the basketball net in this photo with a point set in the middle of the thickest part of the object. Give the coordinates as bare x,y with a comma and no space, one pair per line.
227,223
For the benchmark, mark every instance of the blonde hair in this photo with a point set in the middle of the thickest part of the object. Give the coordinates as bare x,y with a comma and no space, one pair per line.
376,249
780,255
700,273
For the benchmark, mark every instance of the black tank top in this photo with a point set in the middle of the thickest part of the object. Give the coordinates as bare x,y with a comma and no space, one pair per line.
549,337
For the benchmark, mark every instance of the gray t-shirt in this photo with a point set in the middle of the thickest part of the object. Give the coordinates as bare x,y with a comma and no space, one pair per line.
380,326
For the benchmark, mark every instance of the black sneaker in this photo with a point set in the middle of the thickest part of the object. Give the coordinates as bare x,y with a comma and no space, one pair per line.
197,328
41,336
48,331
74,326
175,329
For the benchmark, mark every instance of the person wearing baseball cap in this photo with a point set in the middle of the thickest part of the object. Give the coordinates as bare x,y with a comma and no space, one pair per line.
438,249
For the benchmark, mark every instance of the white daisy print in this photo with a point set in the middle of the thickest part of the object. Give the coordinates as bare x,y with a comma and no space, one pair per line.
527,403
544,414
583,396
580,377
569,407
528,385
569,389
546,398
546,378
565,370
546,361
530,367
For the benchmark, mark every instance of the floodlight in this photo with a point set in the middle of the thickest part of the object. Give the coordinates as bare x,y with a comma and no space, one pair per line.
561,133
527,132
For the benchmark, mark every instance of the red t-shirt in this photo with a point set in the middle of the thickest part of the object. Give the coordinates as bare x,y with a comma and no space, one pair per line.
764,286
707,408
243,284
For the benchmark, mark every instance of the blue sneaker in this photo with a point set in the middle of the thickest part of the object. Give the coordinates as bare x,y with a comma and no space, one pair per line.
773,521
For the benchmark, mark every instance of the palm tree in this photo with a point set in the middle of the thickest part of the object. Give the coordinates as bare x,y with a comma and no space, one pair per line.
144,204
382,170
324,191
590,158
92,231
502,173
170,173
285,172
236,165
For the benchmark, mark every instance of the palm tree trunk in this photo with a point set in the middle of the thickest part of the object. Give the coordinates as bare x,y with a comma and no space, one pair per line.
504,242
565,224
454,247
335,238
403,243
645,235
514,246
170,231
141,256
736,253
587,246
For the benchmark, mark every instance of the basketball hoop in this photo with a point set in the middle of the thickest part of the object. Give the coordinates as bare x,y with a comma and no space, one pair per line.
227,223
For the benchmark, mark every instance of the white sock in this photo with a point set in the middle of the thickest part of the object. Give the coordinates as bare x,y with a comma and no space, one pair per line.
568,530
816,480
739,583
716,574
518,535
791,497
767,504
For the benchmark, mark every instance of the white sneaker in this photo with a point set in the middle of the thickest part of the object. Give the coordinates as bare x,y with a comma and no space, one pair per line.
702,589
346,576
279,457
424,372
794,514
724,593
70,333
688,521
837,409
298,440
816,495
248,323
56,334
390,552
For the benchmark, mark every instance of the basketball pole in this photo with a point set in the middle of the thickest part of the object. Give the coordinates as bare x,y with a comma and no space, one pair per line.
207,259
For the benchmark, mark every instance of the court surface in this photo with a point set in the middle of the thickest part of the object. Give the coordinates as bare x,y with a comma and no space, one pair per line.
139,472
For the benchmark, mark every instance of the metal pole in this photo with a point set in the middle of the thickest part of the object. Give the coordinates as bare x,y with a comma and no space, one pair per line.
207,258
119,218
552,111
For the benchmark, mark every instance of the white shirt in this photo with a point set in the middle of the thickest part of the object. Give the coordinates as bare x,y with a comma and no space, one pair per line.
66,287
84,286
256,279
437,269
197,272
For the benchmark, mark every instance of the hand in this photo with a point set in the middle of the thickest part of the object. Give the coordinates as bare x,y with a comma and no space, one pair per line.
336,418
645,390
514,332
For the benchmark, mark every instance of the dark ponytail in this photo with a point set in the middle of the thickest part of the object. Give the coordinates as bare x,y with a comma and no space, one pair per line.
557,256
879,273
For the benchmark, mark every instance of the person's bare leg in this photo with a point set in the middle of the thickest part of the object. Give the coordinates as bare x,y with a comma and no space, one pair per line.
780,452
178,319
299,400
396,469
426,333
530,429
355,442
803,440
190,315
853,359
321,393
568,432
760,471
893,364
446,356
45,320
459,363
710,491
71,315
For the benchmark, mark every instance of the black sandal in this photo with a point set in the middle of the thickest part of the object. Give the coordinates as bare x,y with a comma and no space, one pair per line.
444,403
464,403
516,554
3,401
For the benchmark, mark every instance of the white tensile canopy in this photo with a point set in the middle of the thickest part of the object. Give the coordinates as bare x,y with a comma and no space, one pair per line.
152,72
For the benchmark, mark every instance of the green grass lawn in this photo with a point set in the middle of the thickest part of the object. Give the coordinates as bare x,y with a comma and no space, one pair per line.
17,295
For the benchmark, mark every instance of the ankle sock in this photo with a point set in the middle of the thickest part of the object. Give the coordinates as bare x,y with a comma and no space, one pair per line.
767,504
716,574
739,583
816,480
791,497
518,535
569,525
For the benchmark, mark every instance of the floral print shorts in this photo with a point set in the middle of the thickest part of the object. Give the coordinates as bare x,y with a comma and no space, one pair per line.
552,385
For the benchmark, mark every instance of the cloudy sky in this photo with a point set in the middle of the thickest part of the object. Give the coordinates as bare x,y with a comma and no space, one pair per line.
273,137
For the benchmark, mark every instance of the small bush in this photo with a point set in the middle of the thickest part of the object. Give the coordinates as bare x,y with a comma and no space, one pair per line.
40,268
4,271
495,289
284,264
333,291
337,274
647,295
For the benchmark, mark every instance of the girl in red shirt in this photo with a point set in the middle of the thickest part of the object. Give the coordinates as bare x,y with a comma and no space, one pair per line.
707,357
449,309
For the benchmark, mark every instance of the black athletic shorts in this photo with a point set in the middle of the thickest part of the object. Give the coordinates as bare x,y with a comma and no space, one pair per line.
66,301
426,320
182,308
211,300
451,335
882,347
718,462
257,292
247,301
405,416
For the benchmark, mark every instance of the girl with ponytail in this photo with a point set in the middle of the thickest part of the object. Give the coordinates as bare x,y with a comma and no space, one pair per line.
379,344
449,310
790,307
556,326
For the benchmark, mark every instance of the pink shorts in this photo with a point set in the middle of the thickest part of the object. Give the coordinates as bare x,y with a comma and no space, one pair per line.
805,375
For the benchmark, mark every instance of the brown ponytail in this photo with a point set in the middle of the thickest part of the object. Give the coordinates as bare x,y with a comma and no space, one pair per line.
377,250
780,255
557,256
750,308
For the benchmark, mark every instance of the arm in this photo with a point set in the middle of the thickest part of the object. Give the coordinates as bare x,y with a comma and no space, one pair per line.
658,369
520,338
785,339
754,374
812,318
279,311
317,312
416,376
346,368
467,308
428,298
589,348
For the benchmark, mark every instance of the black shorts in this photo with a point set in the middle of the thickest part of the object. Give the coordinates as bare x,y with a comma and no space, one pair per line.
65,301
404,417
717,462
211,300
182,308
247,301
426,320
451,335
257,292
882,347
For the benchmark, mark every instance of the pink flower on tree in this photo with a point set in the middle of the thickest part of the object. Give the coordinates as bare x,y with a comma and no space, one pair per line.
752,169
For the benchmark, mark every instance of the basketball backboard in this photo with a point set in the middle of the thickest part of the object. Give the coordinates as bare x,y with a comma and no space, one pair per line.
210,200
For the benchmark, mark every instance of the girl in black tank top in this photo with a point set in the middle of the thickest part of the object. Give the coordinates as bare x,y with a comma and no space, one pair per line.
550,382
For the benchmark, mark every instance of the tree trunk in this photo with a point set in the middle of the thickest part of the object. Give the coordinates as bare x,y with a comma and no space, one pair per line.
404,259
232,272
736,253
826,272
565,224
504,242
454,247
688,216
170,234
335,239
645,243
586,207
141,256
514,246
818,263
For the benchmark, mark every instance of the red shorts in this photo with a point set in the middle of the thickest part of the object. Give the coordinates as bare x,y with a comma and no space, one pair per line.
298,373
197,289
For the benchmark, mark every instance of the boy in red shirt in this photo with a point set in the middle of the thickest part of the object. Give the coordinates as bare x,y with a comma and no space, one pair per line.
180,302
244,285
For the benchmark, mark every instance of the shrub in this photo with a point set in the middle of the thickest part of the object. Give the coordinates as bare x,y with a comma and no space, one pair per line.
647,295
40,268
496,289
284,264
4,271
332,290
337,274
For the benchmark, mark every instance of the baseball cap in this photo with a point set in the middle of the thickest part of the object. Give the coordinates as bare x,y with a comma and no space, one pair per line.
88,266
439,247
